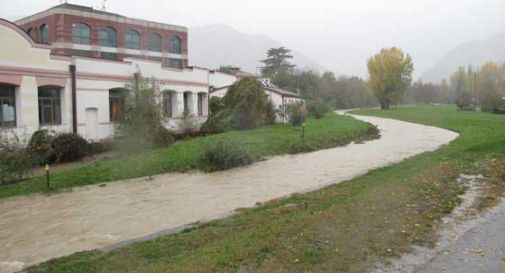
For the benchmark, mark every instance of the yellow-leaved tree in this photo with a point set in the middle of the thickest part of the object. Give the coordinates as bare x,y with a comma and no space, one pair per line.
390,75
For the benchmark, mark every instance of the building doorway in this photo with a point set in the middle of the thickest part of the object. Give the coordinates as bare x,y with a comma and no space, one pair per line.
91,123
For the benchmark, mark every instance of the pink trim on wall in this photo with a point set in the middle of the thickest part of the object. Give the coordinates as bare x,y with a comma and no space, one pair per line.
14,70
61,82
101,60
11,79
93,89
21,71
193,117
109,77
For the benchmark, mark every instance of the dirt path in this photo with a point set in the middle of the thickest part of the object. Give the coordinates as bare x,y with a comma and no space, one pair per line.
37,228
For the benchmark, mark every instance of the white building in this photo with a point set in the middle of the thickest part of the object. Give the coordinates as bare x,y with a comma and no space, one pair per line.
62,69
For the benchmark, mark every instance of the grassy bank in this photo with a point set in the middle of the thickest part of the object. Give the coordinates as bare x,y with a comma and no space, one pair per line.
341,228
329,131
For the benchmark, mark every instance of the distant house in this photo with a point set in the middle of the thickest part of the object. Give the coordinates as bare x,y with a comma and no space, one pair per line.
278,96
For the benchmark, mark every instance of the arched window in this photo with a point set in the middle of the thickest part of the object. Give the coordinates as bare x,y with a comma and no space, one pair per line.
81,34
154,43
107,37
132,39
31,33
44,34
175,45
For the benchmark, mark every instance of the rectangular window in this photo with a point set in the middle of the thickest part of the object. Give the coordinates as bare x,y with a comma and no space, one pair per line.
167,104
175,63
7,106
116,106
108,56
49,106
200,104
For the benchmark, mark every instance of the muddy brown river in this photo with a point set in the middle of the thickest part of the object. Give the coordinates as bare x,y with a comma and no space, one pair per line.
37,227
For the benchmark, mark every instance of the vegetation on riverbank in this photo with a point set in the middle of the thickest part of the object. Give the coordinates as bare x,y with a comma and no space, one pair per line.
341,228
270,140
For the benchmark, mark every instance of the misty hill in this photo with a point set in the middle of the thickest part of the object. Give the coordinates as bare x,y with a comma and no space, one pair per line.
215,45
474,53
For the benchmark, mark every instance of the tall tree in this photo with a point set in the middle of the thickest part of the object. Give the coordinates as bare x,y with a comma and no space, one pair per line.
491,78
460,87
390,74
277,62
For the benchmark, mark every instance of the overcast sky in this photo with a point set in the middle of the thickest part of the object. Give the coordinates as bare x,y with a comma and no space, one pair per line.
339,34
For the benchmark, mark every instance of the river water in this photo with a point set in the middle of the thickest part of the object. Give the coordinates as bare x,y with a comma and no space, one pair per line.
37,227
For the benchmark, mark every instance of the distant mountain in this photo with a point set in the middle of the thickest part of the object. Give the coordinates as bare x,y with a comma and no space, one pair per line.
215,45
472,53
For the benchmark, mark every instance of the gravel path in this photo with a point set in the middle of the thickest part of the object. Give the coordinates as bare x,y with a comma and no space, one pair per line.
36,228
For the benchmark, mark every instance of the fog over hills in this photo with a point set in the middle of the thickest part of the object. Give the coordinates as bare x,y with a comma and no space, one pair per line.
214,45
473,53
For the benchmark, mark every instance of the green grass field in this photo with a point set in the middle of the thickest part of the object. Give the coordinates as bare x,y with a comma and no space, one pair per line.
329,131
341,228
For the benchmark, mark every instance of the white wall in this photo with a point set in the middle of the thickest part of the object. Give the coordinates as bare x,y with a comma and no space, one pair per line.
218,79
32,63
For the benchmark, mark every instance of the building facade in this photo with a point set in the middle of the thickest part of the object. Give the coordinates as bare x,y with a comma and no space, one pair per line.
73,30
64,69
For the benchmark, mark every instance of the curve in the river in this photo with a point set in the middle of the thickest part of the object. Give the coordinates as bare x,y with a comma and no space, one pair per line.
36,228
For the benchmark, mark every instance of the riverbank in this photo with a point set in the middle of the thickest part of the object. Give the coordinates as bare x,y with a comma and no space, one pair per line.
271,140
101,216
348,227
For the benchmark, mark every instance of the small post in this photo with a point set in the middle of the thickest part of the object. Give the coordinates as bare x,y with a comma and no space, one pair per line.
47,176
303,132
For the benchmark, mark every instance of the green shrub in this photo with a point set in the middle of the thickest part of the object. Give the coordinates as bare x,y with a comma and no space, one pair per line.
318,108
297,113
492,103
245,106
142,127
162,136
224,155
99,147
215,105
247,100
40,147
15,163
464,101
219,122
68,147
